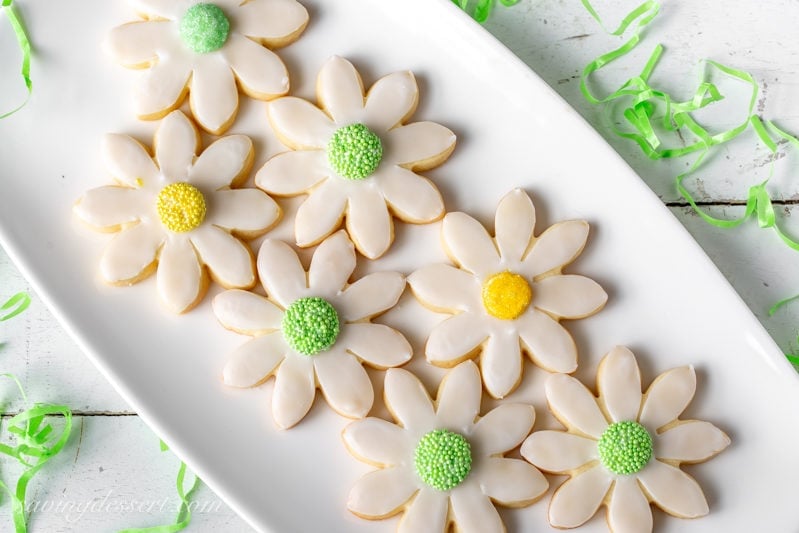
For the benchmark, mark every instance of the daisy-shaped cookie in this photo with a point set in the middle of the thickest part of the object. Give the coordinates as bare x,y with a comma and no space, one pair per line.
355,158
178,211
507,293
441,463
624,449
204,48
315,331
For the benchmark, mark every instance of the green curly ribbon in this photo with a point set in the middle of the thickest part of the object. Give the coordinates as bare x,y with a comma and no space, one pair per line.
481,9
17,303
183,517
642,104
24,46
36,445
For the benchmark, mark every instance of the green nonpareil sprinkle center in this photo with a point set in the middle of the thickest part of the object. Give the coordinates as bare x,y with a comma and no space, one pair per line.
354,152
443,459
310,325
204,28
625,447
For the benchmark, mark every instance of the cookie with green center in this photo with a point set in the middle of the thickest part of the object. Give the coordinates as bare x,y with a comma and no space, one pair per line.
623,448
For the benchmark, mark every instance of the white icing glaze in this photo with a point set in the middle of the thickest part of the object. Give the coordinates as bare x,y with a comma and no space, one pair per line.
172,66
304,127
515,249
665,485
337,371
131,210
391,447
619,384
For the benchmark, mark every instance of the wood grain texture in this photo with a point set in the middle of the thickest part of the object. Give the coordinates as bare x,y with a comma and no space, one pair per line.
112,474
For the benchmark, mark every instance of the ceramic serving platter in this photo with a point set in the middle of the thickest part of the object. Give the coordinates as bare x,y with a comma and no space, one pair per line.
668,303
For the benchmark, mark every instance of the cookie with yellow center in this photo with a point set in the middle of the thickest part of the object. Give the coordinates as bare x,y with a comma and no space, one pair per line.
177,214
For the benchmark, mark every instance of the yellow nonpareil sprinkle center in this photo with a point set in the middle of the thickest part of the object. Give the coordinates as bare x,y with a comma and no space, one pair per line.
506,295
181,207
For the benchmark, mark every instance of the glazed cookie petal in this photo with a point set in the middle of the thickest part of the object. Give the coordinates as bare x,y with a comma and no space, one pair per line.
501,363
668,396
455,338
408,400
228,259
628,508
619,383
473,511
273,22
369,223
569,296
176,142
254,361
377,441
503,428
469,245
261,73
344,383
281,272
673,490
127,160
319,215
578,499
458,399
420,145
294,390
692,441
575,406
391,100
130,253
293,173
136,44
427,512
513,224
511,481
381,493
377,344
340,91
370,296
300,124
160,89
179,275
411,197
214,97
332,265
246,312
109,207
549,344
165,9
559,245
223,163
558,452
444,288
245,210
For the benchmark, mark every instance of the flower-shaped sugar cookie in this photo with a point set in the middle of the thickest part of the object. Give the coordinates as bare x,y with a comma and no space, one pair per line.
507,289
441,463
355,158
203,48
624,449
315,331
178,212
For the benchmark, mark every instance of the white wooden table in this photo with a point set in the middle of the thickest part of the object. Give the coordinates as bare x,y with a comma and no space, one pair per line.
112,474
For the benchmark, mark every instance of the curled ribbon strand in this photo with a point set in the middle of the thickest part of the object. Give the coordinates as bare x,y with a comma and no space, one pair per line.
25,48
480,10
640,103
